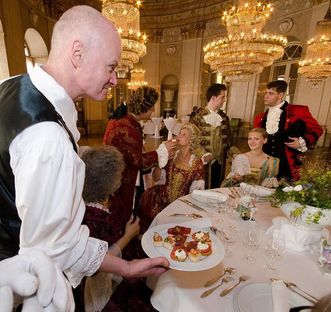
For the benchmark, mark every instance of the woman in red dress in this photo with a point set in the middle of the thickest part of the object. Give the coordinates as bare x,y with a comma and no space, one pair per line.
181,175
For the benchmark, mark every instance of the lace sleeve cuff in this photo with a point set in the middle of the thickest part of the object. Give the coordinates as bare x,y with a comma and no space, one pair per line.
303,146
89,263
163,155
197,185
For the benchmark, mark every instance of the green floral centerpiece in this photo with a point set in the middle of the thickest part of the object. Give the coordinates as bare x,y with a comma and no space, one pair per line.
308,200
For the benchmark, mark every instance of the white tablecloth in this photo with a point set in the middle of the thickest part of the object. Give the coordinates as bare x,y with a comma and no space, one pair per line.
177,291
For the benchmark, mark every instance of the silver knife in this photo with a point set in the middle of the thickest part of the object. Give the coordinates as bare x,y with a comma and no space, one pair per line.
186,201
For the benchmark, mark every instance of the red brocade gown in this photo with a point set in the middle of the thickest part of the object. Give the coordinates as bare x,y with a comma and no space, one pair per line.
178,183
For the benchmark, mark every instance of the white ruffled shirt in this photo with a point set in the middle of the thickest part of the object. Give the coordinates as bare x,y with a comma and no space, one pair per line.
213,118
49,179
272,124
273,118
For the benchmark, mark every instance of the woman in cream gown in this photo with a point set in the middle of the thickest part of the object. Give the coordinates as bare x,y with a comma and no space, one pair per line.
255,166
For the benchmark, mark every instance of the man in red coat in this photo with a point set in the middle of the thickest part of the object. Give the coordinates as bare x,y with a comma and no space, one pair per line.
292,130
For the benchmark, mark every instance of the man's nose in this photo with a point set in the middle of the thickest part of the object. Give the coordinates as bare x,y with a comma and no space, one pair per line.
113,79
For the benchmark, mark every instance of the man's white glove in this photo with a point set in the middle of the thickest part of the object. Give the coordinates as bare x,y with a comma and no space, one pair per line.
35,279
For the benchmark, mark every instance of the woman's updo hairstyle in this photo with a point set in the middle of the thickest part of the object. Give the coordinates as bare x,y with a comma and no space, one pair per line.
142,100
262,131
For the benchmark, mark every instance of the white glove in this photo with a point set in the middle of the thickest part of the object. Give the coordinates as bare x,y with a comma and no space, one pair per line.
34,277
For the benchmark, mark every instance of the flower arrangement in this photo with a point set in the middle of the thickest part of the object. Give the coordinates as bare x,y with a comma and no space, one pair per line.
313,189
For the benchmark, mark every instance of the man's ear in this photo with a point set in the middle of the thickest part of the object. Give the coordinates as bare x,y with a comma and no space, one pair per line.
76,54
281,95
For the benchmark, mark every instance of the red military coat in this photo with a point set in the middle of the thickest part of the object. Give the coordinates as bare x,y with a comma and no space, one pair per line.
312,132
126,135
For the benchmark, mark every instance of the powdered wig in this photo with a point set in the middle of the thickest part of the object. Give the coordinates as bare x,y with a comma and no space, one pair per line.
262,131
142,100
104,167
195,135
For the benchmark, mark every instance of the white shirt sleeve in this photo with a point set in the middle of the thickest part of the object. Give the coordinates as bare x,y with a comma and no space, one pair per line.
163,155
49,179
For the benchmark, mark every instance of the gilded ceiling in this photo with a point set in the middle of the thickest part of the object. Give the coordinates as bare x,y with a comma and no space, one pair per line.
179,19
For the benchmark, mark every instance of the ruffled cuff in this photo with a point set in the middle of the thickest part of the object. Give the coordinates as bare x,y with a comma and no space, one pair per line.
197,185
205,162
89,263
163,155
303,146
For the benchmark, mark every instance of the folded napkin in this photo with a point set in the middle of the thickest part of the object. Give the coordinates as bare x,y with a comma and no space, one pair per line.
206,196
280,300
297,238
256,189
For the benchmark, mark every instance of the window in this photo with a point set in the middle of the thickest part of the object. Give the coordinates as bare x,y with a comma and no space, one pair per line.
286,68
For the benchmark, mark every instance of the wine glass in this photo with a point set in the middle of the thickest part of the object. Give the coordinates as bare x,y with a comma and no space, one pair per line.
217,207
228,235
251,240
274,247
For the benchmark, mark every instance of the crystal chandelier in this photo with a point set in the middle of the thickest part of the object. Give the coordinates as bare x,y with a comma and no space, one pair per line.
317,63
246,49
137,79
126,17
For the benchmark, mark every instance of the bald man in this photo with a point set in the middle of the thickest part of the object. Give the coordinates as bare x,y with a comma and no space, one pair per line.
41,175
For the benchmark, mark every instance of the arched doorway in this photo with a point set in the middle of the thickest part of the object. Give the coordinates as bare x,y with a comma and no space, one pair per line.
35,48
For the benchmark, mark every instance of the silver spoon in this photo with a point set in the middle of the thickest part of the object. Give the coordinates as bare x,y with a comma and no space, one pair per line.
225,279
226,270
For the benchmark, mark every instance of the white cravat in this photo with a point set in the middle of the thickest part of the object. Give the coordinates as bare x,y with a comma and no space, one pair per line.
213,118
273,117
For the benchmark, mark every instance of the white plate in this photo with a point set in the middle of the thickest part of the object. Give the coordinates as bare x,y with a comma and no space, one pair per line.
206,263
257,297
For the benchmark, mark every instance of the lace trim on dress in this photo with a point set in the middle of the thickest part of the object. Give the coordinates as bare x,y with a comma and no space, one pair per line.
97,205
89,263
190,163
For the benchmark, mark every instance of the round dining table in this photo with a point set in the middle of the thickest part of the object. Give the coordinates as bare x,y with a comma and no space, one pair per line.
179,291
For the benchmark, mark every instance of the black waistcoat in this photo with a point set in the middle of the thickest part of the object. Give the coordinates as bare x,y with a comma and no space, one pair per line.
275,145
21,106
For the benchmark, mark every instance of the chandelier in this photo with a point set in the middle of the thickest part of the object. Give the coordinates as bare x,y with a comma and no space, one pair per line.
126,17
137,79
317,63
246,49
